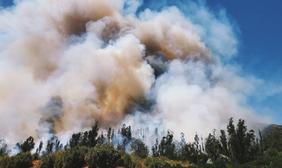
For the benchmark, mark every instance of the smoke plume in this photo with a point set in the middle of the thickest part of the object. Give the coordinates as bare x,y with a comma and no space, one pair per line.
66,64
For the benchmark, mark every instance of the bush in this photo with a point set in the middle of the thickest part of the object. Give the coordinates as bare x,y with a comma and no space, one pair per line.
3,148
48,161
132,161
22,160
54,160
139,148
74,158
156,162
103,156
4,160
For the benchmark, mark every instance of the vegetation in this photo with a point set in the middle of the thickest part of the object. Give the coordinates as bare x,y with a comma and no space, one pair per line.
234,147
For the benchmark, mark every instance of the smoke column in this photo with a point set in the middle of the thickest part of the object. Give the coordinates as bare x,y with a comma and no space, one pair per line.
65,64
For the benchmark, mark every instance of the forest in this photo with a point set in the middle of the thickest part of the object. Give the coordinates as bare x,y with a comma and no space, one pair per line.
237,146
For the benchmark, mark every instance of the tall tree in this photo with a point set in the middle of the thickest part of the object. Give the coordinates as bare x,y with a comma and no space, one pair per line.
223,143
3,148
139,148
241,131
53,145
212,147
126,136
92,135
27,145
232,140
75,139
167,146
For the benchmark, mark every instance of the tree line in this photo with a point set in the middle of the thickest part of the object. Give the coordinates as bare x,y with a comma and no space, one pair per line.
237,146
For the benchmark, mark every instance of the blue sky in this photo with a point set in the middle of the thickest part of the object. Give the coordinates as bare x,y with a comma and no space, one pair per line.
260,51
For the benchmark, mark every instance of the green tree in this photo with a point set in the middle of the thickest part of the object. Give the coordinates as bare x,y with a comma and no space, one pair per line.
167,146
212,147
74,158
272,137
87,138
53,145
242,143
126,136
3,148
48,161
53,160
232,141
75,139
241,151
21,160
159,162
92,135
38,150
223,143
27,145
139,148
103,156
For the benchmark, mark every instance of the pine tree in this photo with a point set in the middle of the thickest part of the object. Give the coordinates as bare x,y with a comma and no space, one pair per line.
232,141
223,143
212,147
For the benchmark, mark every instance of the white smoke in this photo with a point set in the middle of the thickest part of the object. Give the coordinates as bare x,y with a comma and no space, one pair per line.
96,59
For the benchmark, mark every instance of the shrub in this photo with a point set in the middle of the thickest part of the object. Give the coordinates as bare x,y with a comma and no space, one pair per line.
74,158
139,148
131,161
54,160
48,161
22,160
103,156
157,162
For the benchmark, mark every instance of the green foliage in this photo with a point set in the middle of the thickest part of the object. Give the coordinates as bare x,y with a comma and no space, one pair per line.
223,143
157,162
53,145
242,145
3,148
239,147
27,145
75,139
167,146
21,160
74,158
131,161
103,156
193,152
212,147
53,160
272,158
71,158
38,150
48,161
139,148
272,137
87,138
126,137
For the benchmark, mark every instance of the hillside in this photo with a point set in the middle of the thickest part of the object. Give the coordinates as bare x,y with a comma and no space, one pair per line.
272,136
235,147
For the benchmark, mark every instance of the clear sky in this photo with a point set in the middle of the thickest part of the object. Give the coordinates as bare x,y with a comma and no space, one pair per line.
260,51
